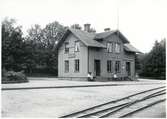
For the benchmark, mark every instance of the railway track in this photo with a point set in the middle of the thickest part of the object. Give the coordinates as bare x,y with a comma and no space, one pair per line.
123,107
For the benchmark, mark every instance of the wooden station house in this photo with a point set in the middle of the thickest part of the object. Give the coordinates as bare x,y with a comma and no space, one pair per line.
105,55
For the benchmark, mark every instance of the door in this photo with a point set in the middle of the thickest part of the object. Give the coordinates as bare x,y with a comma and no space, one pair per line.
97,67
128,68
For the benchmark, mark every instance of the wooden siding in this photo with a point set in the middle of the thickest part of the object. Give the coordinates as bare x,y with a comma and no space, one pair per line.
103,56
71,56
94,54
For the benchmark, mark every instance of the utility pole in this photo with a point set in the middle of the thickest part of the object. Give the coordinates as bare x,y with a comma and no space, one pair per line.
117,14
118,18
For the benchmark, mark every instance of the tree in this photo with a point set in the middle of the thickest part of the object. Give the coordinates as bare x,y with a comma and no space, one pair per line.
137,63
29,57
52,33
35,41
12,45
35,34
17,53
43,43
154,63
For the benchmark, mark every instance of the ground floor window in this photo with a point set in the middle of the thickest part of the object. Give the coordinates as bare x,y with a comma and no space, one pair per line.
117,66
77,65
109,66
66,66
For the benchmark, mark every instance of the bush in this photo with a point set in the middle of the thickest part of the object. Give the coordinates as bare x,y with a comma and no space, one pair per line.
14,77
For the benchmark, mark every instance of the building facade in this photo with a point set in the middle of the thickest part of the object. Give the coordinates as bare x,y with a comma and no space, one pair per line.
105,55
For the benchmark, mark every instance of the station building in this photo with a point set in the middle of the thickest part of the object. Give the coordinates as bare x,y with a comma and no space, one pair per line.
105,55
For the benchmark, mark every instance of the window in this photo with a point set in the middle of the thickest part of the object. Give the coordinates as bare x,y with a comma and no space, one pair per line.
76,46
117,47
66,66
117,67
109,66
77,65
66,47
109,47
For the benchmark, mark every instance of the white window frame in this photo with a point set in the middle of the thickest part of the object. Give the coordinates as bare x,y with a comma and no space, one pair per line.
117,66
76,65
117,47
109,47
66,47
77,46
109,66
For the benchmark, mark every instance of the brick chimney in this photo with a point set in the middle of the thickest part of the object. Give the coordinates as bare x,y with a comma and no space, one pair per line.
107,29
87,27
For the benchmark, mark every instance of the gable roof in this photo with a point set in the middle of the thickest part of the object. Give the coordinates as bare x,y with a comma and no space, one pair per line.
128,47
103,34
90,39
87,38
106,34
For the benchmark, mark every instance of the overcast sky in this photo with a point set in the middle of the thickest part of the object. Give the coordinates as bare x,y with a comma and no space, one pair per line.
141,21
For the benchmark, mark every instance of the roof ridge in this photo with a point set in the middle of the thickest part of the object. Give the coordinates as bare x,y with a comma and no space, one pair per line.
107,32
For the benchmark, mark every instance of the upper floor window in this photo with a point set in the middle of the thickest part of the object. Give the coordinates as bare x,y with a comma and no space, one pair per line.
117,48
66,47
66,63
109,47
109,66
76,46
117,66
76,65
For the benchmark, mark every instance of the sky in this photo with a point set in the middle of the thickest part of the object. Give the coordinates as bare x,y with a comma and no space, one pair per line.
141,21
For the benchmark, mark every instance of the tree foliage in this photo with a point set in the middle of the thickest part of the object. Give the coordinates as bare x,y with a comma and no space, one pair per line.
44,42
12,45
137,63
154,63
34,52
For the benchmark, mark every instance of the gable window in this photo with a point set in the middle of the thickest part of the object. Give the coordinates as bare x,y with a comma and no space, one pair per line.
76,46
76,65
117,67
66,62
109,47
66,47
109,66
117,48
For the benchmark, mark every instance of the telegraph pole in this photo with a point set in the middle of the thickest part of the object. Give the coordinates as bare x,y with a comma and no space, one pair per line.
118,15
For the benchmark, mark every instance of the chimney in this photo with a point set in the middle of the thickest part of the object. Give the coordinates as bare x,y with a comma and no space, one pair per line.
107,29
87,27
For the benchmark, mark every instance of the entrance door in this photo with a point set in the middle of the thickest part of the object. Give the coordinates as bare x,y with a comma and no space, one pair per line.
128,68
97,67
